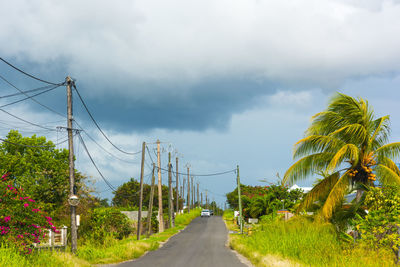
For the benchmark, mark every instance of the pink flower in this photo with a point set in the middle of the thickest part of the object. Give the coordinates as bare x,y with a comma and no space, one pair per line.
26,205
7,219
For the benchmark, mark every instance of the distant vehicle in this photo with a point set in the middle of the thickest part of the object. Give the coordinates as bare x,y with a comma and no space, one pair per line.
205,213
211,212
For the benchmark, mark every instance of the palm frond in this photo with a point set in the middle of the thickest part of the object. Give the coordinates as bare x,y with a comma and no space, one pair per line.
316,144
349,152
307,165
386,175
355,133
380,129
336,195
391,150
319,191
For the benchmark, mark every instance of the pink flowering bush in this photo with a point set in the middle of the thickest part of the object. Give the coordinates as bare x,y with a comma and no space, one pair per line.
22,221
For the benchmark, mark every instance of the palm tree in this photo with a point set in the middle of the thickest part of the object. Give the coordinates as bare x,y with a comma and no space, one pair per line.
350,147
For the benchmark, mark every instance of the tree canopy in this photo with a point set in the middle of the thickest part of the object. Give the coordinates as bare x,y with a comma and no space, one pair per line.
348,145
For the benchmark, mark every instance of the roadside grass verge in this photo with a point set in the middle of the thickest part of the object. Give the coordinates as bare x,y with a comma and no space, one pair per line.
131,248
300,241
10,257
89,253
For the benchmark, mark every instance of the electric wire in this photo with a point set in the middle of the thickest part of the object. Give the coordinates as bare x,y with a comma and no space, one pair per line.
31,123
98,127
105,150
30,97
24,92
33,99
29,75
94,164
17,144
207,174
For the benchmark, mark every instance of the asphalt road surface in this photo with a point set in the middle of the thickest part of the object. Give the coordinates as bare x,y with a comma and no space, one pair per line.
202,243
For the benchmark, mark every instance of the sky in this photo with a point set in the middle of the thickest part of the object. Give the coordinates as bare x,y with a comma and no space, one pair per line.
220,83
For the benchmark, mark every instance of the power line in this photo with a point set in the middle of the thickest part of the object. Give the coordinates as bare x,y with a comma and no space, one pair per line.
18,144
105,150
29,75
208,174
31,97
31,123
98,127
24,92
94,164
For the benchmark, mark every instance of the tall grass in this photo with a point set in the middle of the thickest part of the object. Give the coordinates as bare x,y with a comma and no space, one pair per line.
90,253
10,257
306,242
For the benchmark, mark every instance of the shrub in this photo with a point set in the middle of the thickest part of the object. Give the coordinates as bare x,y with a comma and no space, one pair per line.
380,226
22,221
104,223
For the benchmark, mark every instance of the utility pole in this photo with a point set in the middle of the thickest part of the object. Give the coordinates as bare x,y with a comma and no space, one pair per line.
188,190
181,195
170,203
139,225
240,201
150,211
177,186
183,192
192,193
160,206
198,202
74,229
206,200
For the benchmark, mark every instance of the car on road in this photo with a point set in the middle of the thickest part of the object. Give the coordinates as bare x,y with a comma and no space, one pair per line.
205,213
211,212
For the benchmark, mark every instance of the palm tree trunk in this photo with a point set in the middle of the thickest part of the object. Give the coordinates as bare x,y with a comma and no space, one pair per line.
359,195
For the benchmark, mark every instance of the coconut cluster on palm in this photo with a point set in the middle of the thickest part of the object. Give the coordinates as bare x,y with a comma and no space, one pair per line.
349,146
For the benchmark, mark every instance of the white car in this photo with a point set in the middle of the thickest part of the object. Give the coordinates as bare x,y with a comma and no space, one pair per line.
205,213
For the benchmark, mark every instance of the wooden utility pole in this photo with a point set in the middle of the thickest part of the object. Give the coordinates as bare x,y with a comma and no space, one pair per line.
170,203
206,200
177,186
139,224
181,195
198,202
188,190
192,193
74,229
183,192
160,206
201,202
150,211
240,201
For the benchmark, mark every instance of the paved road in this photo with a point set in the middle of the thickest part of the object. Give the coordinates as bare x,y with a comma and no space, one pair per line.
202,243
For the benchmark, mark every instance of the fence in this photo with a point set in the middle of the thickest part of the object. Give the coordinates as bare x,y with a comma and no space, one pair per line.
54,239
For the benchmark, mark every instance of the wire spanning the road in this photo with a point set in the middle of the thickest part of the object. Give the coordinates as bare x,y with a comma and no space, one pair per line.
29,75
94,164
98,127
31,123
18,144
29,97
207,174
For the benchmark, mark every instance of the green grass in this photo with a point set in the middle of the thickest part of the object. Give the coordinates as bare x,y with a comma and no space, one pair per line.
90,253
131,248
304,242
10,257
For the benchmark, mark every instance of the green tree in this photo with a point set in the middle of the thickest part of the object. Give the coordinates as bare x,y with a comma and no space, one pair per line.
127,195
37,166
348,145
